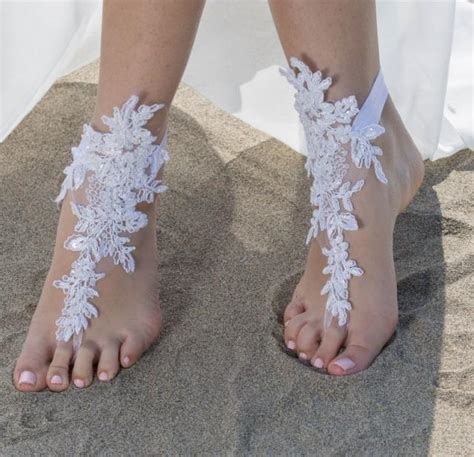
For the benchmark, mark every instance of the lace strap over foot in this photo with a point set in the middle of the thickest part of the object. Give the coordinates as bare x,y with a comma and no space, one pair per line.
117,171
331,129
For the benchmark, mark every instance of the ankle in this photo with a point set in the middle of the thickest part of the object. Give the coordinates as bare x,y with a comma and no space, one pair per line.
157,125
401,159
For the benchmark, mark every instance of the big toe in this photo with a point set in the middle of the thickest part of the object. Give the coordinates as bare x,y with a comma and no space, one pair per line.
31,368
352,360
363,345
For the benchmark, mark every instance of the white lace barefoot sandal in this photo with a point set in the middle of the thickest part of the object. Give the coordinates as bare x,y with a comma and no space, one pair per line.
328,126
115,171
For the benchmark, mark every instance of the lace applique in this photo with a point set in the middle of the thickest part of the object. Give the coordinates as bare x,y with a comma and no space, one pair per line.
328,128
119,171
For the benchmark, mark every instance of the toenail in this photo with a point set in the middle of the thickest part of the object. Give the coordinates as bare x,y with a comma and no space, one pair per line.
303,356
345,363
318,363
56,379
103,376
27,377
291,345
79,383
286,323
126,361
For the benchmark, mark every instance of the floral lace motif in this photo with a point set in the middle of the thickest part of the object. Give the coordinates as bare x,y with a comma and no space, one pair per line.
328,128
120,170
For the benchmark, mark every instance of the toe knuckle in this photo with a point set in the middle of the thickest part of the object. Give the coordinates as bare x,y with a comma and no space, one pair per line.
290,335
303,346
89,346
58,368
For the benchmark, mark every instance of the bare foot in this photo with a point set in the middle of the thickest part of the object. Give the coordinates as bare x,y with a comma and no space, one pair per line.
129,317
373,295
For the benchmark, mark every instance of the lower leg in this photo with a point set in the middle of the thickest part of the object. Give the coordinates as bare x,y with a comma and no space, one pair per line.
144,51
145,47
336,37
339,38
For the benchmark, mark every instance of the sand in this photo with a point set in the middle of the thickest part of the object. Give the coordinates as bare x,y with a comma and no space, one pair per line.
232,230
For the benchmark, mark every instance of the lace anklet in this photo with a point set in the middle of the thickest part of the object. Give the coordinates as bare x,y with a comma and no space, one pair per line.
119,169
327,127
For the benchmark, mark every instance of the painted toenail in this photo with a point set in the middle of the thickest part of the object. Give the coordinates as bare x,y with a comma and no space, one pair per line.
79,383
345,363
318,363
103,376
303,356
291,345
126,361
27,377
56,379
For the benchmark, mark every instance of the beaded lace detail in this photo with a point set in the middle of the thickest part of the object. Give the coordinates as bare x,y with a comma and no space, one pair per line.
330,139
118,170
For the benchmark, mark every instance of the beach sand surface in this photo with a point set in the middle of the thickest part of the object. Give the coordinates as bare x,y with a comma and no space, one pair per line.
231,236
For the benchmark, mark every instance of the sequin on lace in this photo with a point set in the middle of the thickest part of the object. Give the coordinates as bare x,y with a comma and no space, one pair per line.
118,170
327,127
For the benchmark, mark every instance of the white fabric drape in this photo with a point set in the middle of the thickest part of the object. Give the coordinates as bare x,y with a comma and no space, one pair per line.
235,64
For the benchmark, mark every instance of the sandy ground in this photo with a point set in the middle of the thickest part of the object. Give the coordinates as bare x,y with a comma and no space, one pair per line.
232,230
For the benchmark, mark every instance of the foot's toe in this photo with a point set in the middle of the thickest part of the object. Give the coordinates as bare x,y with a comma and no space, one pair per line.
308,340
292,329
58,372
109,365
31,368
364,343
352,360
82,373
331,341
293,309
131,350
